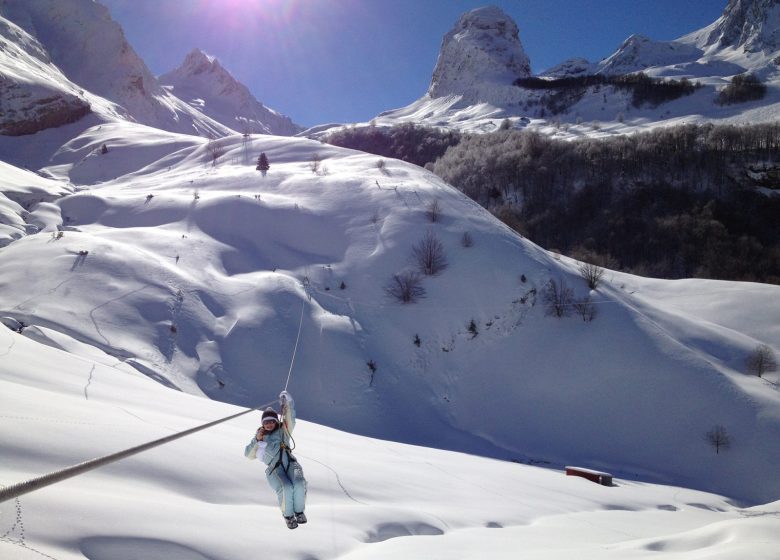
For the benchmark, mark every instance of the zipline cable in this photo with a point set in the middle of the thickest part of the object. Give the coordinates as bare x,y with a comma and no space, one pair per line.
16,490
297,339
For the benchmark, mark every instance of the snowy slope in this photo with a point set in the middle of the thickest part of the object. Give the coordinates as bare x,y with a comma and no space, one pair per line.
211,89
198,497
199,275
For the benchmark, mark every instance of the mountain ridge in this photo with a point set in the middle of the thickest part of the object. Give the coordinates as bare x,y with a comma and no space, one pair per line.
205,84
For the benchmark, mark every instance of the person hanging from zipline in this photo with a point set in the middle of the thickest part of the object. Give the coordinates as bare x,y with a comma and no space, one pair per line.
274,442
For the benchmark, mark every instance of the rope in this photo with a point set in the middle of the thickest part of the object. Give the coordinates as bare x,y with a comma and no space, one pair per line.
10,492
297,339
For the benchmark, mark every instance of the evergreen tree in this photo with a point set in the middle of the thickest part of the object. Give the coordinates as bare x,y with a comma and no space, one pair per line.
262,163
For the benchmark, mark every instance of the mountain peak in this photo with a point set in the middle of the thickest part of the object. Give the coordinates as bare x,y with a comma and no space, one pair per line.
753,25
197,62
209,87
483,49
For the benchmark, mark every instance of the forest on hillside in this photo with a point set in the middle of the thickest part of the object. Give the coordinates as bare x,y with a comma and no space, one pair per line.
690,201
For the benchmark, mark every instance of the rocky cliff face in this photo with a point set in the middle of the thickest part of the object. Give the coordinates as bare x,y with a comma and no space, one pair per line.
205,84
80,39
481,53
34,94
753,25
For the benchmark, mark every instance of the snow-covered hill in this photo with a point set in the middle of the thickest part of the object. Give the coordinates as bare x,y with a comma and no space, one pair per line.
198,276
198,497
210,88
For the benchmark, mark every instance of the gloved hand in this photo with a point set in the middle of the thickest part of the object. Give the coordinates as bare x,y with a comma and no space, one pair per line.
284,396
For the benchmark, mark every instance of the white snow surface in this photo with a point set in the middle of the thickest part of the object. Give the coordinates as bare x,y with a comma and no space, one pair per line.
152,264
199,498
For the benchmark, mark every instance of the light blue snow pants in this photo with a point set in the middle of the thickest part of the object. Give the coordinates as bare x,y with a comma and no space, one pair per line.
290,487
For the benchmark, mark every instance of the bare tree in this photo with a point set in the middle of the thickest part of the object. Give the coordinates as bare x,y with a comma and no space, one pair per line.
405,287
429,255
719,438
762,360
215,151
467,240
558,298
315,163
585,309
433,211
592,274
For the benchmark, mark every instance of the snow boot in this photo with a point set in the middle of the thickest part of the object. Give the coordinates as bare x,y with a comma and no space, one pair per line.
300,518
291,522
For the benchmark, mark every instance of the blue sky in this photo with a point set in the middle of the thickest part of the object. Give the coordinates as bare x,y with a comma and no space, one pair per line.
321,61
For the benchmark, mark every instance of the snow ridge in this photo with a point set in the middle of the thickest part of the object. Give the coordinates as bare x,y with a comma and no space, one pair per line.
206,85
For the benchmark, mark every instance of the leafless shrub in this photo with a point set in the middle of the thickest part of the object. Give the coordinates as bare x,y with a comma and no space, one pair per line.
592,274
762,360
558,298
315,164
585,309
215,150
467,240
433,211
405,287
719,438
429,255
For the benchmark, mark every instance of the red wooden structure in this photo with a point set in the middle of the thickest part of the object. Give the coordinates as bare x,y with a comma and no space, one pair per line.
605,479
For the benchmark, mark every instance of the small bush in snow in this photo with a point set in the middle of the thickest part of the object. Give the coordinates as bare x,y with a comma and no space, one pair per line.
429,255
762,360
585,309
405,287
466,240
558,298
433,211
473,329
315,164
592,274
719,438
215,151
372,368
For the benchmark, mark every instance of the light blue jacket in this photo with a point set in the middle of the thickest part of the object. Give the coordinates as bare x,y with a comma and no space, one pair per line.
270,447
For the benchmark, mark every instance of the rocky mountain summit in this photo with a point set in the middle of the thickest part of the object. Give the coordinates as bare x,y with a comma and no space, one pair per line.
482,79
63,59
753,25
482,52
206,85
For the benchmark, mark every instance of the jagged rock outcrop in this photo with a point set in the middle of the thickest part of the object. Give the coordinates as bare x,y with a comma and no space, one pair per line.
481,53
34,95
753,25
205,84
90,49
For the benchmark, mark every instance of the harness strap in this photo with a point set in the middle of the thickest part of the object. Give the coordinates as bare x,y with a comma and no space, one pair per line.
290,459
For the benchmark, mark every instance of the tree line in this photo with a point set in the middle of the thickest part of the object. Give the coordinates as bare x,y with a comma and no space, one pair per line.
670,203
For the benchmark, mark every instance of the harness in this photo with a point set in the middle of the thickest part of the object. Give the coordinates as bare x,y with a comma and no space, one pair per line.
283,448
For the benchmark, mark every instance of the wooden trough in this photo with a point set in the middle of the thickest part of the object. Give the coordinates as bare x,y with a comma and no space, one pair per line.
605,479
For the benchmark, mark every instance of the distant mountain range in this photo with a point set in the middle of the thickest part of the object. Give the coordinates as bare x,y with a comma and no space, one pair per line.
482,77
64,59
